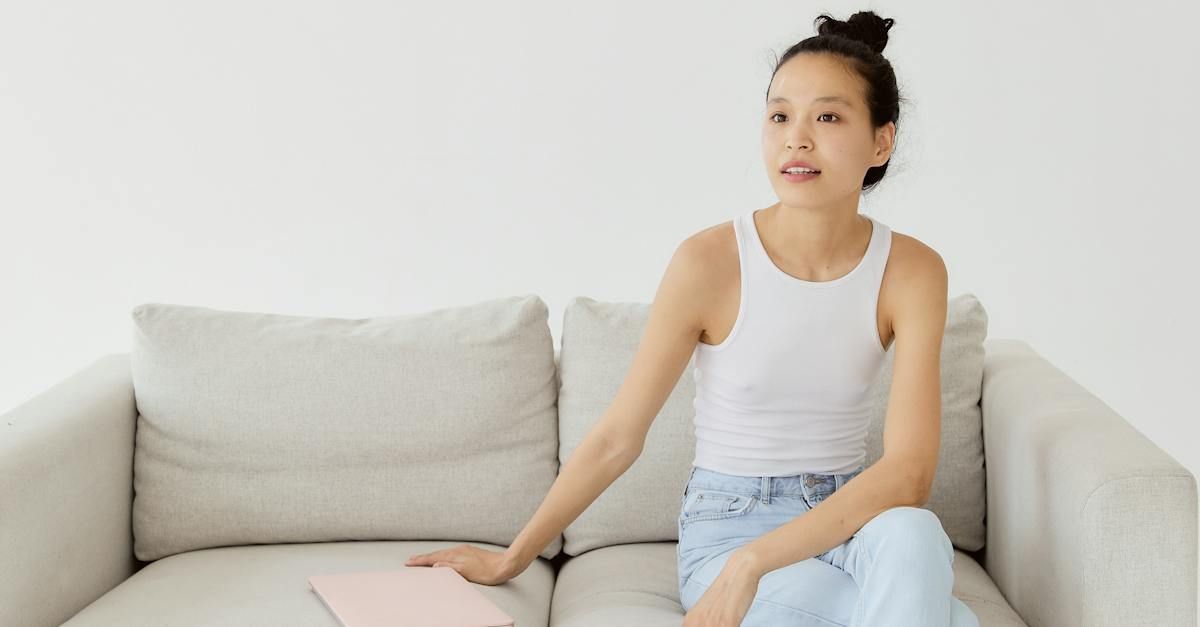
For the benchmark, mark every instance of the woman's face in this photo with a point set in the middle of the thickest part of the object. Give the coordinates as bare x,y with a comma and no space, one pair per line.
834,136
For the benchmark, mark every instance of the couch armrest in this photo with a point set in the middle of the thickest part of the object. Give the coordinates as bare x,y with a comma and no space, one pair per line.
1088,521
66,493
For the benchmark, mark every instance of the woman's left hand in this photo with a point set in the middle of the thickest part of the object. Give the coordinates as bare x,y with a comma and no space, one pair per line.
727,600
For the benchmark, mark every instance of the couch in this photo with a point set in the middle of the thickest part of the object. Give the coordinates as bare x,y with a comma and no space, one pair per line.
201,477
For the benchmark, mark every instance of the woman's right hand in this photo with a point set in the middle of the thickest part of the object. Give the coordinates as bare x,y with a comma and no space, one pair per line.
473,563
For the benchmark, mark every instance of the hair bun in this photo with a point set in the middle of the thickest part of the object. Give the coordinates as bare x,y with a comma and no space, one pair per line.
864,26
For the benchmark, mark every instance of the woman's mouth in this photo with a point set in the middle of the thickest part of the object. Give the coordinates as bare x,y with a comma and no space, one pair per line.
800,177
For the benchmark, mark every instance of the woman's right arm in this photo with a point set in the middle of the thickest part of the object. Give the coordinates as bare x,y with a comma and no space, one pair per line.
672,330
590,469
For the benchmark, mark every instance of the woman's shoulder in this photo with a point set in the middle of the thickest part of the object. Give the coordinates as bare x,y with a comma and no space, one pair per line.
715,250
909,256
912,267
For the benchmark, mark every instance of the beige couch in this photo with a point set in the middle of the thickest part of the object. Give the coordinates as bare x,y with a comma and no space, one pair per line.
200,478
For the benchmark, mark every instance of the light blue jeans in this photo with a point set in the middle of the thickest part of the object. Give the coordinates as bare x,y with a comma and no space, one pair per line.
895,571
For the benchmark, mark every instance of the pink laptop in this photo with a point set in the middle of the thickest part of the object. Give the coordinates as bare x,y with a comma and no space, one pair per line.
415,596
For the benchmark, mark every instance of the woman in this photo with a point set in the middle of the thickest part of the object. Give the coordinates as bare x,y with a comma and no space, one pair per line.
789,311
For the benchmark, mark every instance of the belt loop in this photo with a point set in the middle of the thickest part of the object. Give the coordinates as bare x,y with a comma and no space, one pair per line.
766,489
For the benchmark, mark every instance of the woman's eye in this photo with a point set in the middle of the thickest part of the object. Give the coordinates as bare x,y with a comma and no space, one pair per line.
775,115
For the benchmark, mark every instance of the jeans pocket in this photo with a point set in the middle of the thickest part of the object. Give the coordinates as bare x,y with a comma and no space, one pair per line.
708,504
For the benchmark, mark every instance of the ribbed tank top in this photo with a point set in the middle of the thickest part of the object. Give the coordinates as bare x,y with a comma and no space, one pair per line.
787,391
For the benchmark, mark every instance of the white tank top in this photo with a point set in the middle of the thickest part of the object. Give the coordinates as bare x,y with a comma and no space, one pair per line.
787,392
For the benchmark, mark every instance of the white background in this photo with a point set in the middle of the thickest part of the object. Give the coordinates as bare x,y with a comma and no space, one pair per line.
362,159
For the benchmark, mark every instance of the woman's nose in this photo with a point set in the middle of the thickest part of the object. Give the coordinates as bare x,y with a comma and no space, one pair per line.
798,137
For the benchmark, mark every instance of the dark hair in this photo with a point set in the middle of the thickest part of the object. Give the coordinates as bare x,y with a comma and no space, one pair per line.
859,41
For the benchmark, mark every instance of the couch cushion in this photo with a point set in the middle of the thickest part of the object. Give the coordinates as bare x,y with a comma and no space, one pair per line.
599,340
636,584
268,585
629,584
263,428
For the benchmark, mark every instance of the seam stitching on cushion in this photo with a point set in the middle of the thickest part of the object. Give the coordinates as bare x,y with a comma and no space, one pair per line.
1131,476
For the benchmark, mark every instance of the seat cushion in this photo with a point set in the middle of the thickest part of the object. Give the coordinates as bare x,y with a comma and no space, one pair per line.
637,584
268,585
626,584
261,428
599,341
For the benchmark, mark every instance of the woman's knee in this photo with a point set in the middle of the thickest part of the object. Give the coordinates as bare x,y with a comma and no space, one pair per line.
910,528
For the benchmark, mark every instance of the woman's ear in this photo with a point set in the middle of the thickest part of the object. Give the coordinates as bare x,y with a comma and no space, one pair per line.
885,138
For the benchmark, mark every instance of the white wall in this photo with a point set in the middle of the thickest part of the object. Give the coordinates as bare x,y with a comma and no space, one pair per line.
378,158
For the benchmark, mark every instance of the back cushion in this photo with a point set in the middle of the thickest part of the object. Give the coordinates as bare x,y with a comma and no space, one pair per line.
263,428
598,344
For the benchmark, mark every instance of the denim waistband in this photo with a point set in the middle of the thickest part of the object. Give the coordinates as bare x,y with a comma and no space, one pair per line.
765,487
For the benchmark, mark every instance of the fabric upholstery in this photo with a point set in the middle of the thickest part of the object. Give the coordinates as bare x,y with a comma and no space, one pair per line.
268,585
265,428
66,468
1089,522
